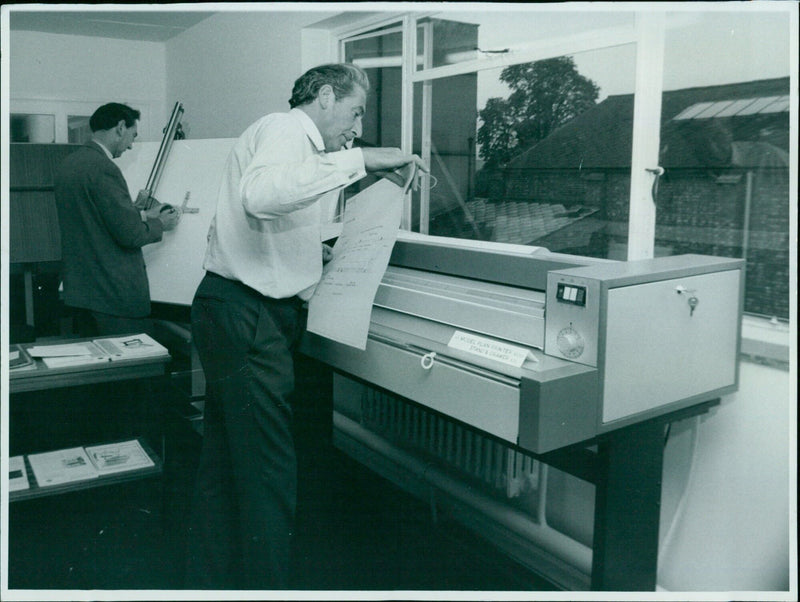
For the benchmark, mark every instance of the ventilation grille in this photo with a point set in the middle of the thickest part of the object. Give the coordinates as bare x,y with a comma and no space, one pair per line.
488,460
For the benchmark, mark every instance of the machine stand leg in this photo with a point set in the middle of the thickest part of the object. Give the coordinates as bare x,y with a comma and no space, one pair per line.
627,509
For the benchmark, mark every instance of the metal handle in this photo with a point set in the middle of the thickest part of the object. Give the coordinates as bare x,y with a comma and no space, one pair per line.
427,360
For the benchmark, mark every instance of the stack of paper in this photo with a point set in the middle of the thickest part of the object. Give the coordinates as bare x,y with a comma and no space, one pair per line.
18,359
107,349
69,354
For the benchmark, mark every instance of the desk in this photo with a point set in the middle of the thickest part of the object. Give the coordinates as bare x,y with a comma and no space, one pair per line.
43,379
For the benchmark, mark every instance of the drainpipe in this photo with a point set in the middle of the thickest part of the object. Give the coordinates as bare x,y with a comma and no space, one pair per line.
748,199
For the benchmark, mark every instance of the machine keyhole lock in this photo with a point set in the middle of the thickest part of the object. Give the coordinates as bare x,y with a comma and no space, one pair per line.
693,301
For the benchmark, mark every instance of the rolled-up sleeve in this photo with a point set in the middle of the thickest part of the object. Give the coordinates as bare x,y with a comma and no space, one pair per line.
271,187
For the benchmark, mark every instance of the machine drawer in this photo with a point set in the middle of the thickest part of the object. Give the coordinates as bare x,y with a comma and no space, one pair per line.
479,399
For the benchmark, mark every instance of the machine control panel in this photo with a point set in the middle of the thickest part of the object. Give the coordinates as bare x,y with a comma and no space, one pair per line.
570,342
571,293
572,318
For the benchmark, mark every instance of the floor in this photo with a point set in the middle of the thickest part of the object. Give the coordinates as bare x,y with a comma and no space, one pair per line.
355,531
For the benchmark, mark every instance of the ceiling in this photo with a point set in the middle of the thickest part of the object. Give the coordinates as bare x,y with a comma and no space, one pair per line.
147,26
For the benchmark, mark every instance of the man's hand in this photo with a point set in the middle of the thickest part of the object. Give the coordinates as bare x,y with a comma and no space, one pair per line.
401,175
327,253
168,216
144,201
389,159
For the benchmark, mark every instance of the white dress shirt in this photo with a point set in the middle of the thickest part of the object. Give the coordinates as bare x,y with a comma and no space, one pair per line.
276,191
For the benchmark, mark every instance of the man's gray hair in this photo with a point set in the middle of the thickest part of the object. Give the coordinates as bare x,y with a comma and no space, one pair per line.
342,77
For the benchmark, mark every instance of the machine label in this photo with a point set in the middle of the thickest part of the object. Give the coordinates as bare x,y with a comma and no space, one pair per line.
494,350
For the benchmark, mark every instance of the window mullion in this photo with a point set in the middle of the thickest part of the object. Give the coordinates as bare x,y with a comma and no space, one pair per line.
646,133
407,102
535,51
425,141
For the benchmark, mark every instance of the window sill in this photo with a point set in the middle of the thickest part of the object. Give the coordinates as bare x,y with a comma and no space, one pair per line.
765,342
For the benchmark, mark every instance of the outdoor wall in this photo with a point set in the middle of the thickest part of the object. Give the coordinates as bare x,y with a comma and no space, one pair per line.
695,215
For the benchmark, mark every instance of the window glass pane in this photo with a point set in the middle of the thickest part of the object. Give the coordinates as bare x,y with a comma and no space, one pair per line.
27,127
78,130
725,147
537,153
464,36
380,56
381,47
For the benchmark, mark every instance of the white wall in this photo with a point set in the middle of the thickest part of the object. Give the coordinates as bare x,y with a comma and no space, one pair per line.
724,515
235,67
90,71
734,531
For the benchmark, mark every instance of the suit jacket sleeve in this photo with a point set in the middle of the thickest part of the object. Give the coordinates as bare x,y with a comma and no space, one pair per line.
124,223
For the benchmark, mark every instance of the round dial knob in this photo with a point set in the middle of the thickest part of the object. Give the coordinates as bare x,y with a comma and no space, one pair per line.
570,342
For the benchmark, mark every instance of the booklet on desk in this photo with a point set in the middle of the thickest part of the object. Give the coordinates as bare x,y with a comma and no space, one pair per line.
18,359
17,474
106,349
132,346
62,466
119,457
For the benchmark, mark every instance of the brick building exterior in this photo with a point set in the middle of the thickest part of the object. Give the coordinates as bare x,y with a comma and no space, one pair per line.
725,189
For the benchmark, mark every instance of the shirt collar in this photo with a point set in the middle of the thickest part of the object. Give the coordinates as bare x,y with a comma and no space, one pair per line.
105,150
310,127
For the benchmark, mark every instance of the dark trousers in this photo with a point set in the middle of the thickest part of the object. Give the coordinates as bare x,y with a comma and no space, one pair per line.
246,489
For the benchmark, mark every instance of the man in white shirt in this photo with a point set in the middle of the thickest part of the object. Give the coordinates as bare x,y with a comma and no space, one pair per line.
263,260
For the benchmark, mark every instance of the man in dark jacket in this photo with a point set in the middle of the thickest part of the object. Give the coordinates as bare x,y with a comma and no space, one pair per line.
103,232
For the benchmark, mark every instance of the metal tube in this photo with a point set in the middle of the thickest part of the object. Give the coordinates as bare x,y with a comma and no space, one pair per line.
163,150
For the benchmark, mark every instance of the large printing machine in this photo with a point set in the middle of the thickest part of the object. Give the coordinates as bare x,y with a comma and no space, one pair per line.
614,351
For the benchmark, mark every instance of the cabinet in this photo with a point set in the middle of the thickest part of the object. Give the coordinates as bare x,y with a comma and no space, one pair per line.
34,236
43,402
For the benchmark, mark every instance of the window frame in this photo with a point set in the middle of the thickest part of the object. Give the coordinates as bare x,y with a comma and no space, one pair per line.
648,36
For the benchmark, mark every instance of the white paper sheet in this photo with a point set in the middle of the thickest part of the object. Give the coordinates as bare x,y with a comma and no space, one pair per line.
342,303
130,347
68,349
69,354
119,457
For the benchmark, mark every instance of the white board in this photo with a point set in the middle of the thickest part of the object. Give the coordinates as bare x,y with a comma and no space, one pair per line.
175,265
